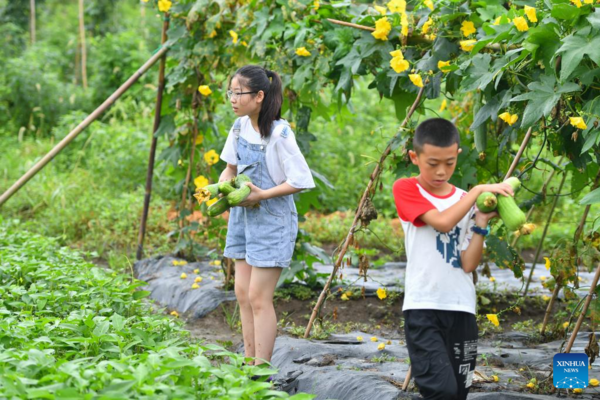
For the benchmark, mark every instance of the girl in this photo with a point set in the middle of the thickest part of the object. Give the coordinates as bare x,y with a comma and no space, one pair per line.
262,230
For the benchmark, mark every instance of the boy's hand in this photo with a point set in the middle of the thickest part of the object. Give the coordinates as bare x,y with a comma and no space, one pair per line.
482,219
498,188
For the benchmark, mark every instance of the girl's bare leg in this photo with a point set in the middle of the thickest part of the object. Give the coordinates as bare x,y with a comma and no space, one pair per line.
243,272
262,287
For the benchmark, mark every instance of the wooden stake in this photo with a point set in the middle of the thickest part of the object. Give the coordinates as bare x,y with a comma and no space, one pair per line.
150,173
541,243
84,124
83,49
515,162
32,21
407,379
350,236
588,300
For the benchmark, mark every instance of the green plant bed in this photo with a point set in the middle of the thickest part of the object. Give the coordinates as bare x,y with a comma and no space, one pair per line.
72,330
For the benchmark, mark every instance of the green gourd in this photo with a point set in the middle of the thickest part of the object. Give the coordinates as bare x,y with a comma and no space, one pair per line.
237,196
487,202
510,213
218,208
226,187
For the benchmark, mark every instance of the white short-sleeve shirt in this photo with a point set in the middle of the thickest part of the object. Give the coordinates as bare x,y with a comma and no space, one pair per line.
434,275
285,162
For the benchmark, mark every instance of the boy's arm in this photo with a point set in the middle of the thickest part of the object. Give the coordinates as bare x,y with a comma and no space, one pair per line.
471,257
446,220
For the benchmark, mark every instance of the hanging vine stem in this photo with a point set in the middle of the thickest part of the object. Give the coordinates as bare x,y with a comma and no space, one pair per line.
576,237
541,244
349,238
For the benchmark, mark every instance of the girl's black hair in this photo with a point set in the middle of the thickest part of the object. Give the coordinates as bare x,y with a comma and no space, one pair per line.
258,78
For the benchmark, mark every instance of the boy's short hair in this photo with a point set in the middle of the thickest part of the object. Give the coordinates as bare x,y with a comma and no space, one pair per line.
437,132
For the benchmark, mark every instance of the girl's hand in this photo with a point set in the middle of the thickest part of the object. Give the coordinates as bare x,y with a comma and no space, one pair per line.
255,196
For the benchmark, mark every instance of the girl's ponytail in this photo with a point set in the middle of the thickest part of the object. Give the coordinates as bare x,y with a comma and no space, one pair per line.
257,78
271,107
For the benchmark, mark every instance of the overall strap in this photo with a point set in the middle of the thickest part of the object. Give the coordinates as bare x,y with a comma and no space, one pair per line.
237,126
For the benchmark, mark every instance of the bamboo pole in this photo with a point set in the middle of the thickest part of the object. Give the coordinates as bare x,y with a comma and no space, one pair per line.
588,300
515,162
576,237
84,124
188,175
32,28
374,175
541,244
407,379
83,49
151,157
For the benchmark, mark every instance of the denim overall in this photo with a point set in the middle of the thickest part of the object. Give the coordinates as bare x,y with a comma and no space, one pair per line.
265,236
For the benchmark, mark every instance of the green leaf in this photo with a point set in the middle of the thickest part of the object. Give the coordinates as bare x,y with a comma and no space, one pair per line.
565,12
478,75
543,41
574,47
542,98
592,197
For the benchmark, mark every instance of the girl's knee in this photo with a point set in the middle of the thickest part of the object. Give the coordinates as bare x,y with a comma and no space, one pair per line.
259,301
241,293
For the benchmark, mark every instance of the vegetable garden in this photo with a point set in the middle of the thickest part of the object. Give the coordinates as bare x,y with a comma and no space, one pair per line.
519,79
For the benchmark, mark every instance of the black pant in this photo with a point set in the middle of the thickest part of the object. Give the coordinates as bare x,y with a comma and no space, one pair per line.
442,346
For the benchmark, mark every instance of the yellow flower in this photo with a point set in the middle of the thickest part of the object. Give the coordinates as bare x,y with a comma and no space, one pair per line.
398,6
381,346
547,263
497,21
495,378
521,24
200,182
374,339
381,10
429,4
217,262
211,202
404,24
443,64
492,279
382,28
164,5
381,293
530,385
467,45
578,122
426,26
577,3
468,28
198,279
359,338
542,278
204,90
243,43
197,271
302,52
510,119
175,314
212,34
493,318
594,382
316,5
399,64
546,298
565,325
195,286
199,139
234,36
344,297
577,391
530,12
416,80
211,157
145,1
444,105
183,276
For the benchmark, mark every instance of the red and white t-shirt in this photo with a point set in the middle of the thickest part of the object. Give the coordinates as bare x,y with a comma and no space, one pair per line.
434,275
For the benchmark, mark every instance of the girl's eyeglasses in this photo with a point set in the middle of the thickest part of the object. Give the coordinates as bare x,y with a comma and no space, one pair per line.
236,95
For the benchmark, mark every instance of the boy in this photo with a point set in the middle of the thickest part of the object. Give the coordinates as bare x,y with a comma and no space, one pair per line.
444,241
